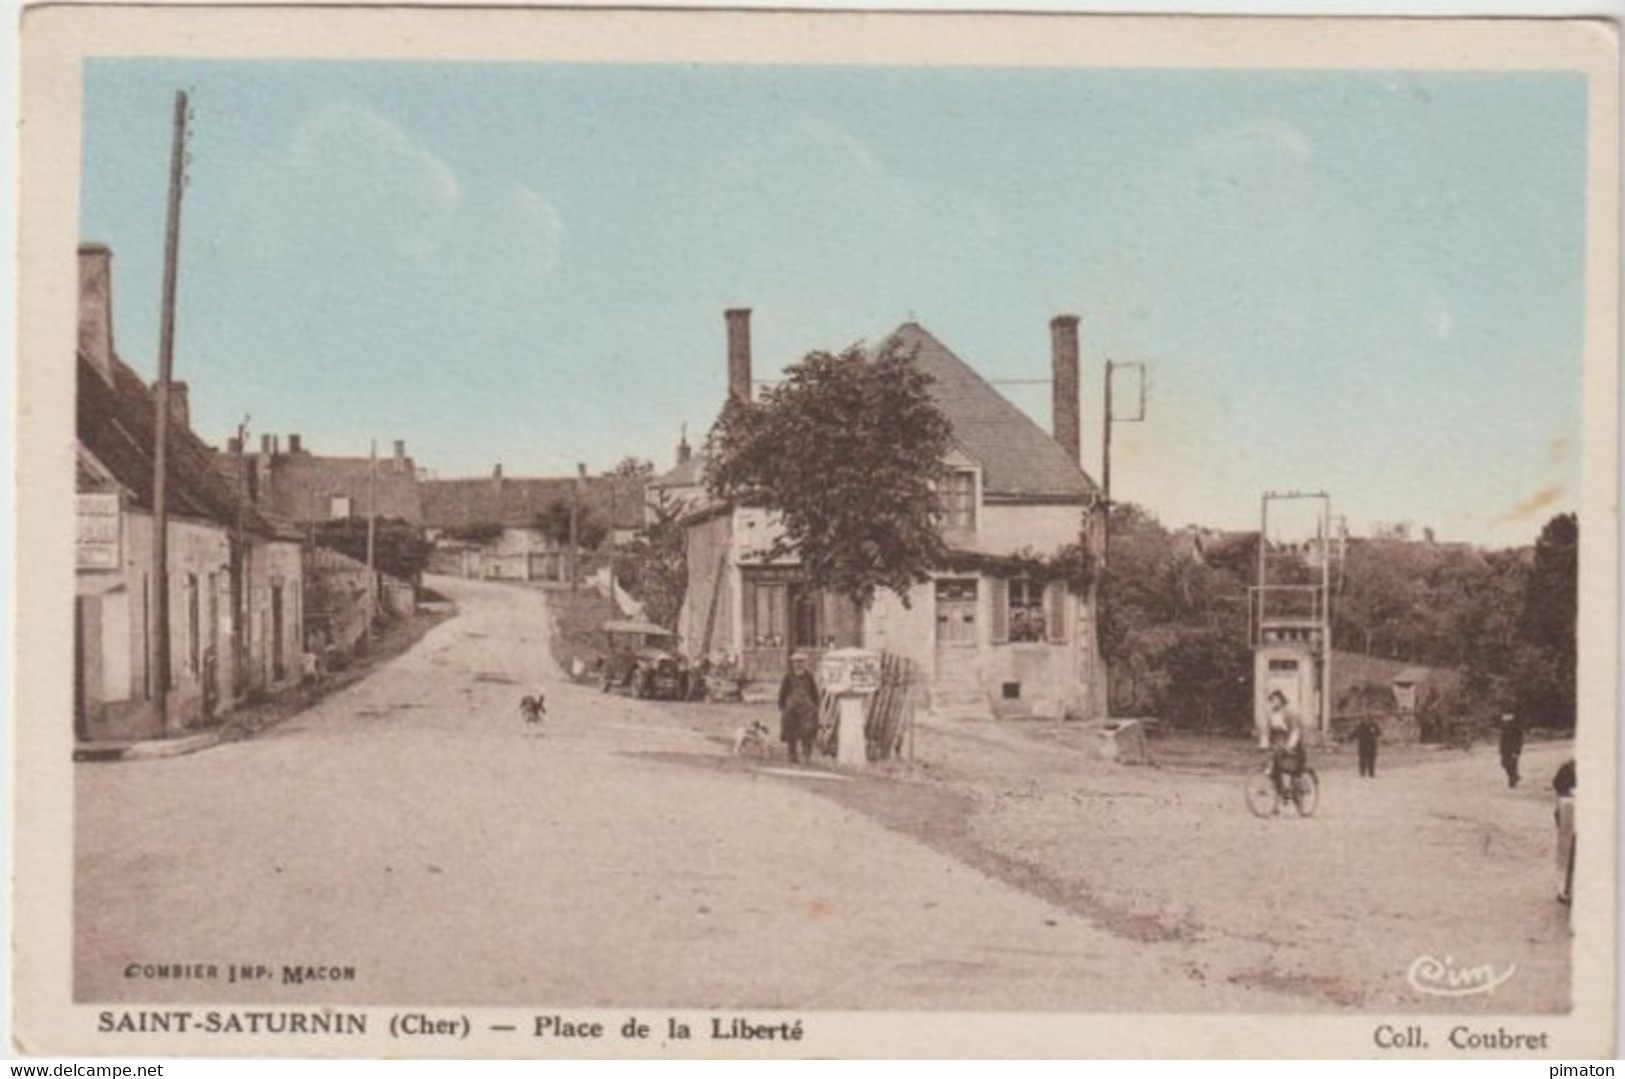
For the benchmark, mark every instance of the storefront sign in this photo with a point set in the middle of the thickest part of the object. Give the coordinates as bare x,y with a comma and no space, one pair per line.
849,670
99,532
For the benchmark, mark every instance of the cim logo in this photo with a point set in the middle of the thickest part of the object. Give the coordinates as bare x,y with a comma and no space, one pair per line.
1442,978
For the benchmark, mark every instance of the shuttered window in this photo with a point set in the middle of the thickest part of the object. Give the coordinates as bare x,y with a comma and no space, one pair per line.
1001,610
1055,608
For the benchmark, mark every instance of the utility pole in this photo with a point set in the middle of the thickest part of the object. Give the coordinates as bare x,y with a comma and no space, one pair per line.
372,504
372,534
1104,595
159,656
575,526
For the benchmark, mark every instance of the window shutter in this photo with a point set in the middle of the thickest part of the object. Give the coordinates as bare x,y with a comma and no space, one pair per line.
748,630
1000,593
1055,607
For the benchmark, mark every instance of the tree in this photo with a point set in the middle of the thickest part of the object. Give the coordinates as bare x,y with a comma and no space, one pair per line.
399,548
1545,659
553,522
848,451
654,568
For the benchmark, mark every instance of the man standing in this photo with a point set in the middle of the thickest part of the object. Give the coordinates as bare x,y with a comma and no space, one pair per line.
1511,746
1366,737
798,709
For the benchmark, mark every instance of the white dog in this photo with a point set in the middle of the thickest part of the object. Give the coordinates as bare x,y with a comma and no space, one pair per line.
751,737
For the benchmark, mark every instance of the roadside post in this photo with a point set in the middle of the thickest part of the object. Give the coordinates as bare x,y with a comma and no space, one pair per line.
851,676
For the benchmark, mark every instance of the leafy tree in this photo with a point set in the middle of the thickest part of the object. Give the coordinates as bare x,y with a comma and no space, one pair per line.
848,451
479,532
399,548
554,523
1546,662
654,567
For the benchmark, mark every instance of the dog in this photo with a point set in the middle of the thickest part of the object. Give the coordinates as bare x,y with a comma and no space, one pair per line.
533,709
752,737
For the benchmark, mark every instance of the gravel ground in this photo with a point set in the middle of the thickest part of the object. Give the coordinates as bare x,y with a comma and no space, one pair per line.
1435,857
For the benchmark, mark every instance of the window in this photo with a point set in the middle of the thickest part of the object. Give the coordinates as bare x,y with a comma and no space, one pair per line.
767,623
1026,612
959,501
956,612
338,507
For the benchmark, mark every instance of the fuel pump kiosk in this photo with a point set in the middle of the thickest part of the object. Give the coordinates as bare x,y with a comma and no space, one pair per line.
851,676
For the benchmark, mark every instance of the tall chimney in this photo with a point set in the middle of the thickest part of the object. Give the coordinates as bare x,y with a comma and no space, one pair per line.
496,471
1063,331
295,445
180,404
399,463
265,446
96,307
739,354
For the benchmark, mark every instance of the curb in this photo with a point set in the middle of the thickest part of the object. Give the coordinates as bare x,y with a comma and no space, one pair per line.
151,750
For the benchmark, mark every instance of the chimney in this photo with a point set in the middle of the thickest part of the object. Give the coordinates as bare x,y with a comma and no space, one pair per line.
180,404
265,445
399,463
234,446
739,354
96,307
496,471
276,445
1064,384
294,444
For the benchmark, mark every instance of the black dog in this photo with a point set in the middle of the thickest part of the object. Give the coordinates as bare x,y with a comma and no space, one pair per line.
534,709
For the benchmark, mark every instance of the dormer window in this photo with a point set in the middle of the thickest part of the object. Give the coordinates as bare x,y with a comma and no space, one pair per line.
959,501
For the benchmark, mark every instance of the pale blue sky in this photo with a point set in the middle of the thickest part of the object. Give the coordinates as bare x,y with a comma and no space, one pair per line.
1369,283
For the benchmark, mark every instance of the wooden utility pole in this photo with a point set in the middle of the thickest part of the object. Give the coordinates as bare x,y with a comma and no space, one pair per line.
372,504
1104,594
159,656
575,527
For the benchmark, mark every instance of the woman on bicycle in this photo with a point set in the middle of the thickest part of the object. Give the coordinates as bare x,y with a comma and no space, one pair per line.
1285,734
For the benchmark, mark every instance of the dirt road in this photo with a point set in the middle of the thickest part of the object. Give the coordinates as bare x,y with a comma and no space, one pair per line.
410,840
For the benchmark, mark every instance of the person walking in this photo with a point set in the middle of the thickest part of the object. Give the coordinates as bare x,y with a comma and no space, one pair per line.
798,710
1366,737
1511,746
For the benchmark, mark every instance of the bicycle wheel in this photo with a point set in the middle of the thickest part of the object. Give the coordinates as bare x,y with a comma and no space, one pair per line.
1261,797
1306,792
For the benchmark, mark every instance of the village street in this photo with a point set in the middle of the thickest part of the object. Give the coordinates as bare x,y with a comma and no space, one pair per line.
412,830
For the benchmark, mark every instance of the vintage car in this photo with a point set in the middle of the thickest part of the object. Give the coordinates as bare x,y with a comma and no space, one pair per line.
640,658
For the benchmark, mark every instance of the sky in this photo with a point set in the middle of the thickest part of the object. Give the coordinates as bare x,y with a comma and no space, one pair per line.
1367,283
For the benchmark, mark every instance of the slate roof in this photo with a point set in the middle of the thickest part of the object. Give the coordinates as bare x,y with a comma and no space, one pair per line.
301,485
1020,461
115,424
516,501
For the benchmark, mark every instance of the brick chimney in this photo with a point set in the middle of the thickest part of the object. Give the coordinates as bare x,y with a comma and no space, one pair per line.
180,404
265,446
739,354
1063,331
96,307
295,444
399,463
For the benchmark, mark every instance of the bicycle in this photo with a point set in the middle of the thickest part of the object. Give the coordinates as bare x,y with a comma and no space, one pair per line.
1301,788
